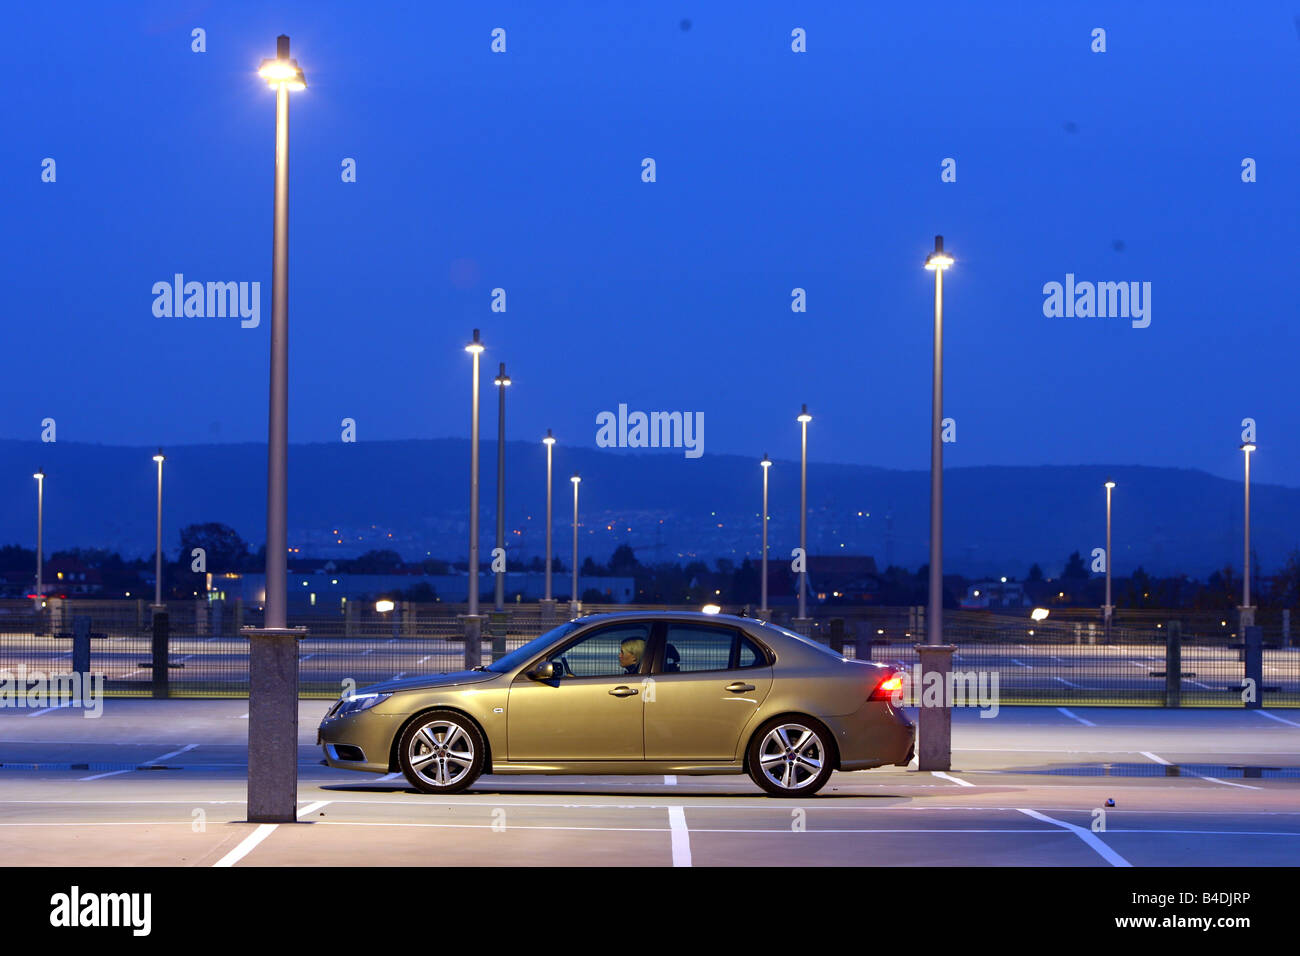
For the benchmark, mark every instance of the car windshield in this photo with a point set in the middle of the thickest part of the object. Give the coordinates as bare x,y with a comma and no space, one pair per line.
521,655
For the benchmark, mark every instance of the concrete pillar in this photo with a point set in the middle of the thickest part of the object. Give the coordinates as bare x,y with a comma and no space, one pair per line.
160,656
1286,626
934,748
81,645
802,625
498,625
472,629
201,617
350,619
1254,657
548,612
837,635
1174,664
218,617
273,724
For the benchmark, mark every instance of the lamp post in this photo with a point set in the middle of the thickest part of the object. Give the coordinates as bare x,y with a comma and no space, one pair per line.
573,598
1109,608
40,536
762,605
157,556
935,730
803,419
1247,610
473,625
501,382
273,648
548,602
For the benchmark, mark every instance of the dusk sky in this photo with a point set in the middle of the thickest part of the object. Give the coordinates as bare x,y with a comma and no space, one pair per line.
775,170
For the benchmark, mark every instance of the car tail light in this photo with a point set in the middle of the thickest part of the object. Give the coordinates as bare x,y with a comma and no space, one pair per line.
891,685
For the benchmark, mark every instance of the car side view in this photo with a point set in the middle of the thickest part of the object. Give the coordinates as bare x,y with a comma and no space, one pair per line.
633,693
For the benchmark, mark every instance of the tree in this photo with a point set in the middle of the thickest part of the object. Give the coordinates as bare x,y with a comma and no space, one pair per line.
375,562
224,549
1075,569
623,562
1035,573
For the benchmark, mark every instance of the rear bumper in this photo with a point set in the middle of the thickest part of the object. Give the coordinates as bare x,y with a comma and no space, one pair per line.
876,735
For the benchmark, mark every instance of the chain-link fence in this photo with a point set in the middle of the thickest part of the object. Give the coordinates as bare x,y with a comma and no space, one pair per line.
196,648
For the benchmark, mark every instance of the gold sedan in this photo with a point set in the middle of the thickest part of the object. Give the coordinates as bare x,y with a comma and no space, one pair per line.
633,693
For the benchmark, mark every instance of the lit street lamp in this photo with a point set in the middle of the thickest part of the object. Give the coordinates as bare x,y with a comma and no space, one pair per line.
573,597
935,730
762,605
803,419
473,626
157,558
1247,611
40,536
548,602
273,647
1108,608
501,382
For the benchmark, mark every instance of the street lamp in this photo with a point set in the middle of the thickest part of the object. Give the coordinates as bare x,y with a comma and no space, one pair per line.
548,601
40,535
474,348
762,606
157,557
803,419
1109,608
501,382
1247,611
573,598
273,647
935,730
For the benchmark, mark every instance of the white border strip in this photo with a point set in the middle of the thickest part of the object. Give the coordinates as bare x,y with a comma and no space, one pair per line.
681,836
1087,836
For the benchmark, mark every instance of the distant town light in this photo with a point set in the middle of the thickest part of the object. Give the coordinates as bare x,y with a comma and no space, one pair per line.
383,607
1039,613
711,609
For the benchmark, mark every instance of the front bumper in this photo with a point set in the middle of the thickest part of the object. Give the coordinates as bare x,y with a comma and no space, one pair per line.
360,741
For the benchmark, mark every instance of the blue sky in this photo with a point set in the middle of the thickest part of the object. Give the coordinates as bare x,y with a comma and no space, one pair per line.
775,170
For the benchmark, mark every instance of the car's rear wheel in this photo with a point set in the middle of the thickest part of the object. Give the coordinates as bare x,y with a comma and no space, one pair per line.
791,757
441,752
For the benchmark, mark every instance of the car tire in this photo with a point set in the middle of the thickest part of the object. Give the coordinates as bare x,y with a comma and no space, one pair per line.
791,756
441,751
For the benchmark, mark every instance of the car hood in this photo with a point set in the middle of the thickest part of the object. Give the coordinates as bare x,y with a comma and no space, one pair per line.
430,680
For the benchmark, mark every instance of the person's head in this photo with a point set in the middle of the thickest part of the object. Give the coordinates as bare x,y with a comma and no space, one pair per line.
629,653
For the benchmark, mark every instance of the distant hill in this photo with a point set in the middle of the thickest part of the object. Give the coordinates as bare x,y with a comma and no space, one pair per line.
412,496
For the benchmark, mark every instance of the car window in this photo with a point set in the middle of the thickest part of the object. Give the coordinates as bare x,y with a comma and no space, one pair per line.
522,655
607,652
706,647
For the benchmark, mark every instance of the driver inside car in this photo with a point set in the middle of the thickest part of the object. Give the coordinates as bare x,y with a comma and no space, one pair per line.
630,653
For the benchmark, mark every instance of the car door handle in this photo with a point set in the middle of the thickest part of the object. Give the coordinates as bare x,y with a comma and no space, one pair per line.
622,691
739,688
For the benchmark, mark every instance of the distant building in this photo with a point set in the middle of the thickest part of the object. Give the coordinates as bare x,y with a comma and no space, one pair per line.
995,594
322,588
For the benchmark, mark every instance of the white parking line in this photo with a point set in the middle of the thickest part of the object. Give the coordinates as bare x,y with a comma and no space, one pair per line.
1021,663
1161,760
247,844
957,780
1066,683
1087,836
1228,783
1086,723
46,710
1264,713
114,773
670,779
681,836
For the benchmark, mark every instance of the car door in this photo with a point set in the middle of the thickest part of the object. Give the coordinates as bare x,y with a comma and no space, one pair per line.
594,710
707,683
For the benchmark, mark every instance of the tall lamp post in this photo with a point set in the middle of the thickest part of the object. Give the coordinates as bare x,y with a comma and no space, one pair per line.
157,555
935,730
1108,609
1247,613
473,624
762,605
573,598
803,419
273,648
40,537
548,602
502,381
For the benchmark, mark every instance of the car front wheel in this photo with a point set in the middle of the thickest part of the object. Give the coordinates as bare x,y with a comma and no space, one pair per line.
441,752
791,757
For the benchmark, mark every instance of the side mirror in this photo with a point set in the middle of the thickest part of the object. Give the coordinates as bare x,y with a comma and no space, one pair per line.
543,671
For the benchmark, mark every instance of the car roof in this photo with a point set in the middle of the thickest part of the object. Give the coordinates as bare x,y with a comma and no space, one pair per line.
670,615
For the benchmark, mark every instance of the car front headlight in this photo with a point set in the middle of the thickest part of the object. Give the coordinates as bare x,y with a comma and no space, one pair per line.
355,703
